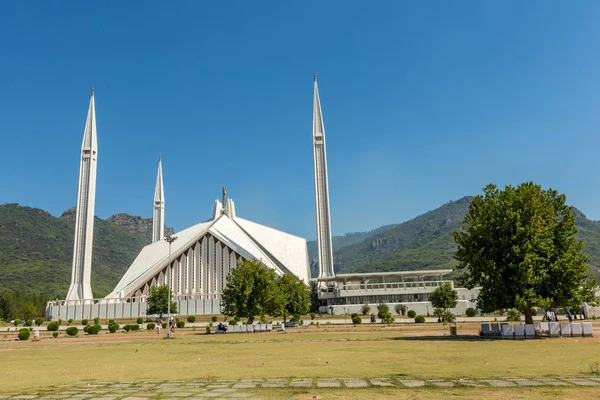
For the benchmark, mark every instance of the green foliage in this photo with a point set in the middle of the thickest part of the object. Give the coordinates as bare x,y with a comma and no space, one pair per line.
72,331
232,322
400,309
180,324
419,319
113,327
140,321
17,321
313,288
353,315
382,309
135,327
411,313
290,296
151,326
94,329
207,330
513,315
84,322
356,320
519,246
24,334
39,321
444,297
365,309
28,322
312,316
59,322
52,326
158,300
70,321
54,335
214,318
191,319
97,321
127,328
164,325
470,312
449,317
387,317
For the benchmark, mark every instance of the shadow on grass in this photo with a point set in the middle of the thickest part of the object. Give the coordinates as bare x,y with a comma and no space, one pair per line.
459,338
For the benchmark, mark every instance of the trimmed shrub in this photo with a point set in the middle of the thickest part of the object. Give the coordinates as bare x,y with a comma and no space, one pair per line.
84,322
139,321
356,320
353,315
28,322
411,314
17,321
365,309
24,334
111,321
449,317
127,328
72,331
86,328
70,321
191,319
54,335
94,329
39,321
400,309
59,322
419,319
164,325
180,324
382,308
96,321
312,316
52,326
387,318
150,326
112,328
214,318
207,330
471,312
232,322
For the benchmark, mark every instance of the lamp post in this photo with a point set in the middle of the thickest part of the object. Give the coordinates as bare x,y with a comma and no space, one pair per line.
170,239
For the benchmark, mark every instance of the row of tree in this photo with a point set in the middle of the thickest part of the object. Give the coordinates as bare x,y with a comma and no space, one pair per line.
22,305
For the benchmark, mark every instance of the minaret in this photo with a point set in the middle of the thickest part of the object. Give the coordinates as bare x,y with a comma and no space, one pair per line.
158,217
321,191
84,221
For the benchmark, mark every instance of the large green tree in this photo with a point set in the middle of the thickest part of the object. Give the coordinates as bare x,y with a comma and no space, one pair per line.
251,291
518,245
444,297
293,296
158,301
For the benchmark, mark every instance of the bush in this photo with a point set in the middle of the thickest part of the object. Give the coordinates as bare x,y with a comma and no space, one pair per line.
54,335
419,319
470,312
72,331
70,321
354,315
52,326
438,312
365,309
17,321
513,315
140,321
86,328
400,309
111,321
39,321
312,316
28,322
150,326
112,328
59,322
191,319
127,328
84,322
180,324
382,309
534,312
449,317
96,321
356,320
232,322
236,318
94,329
411,314
214,318
24,334
164,325
387,318
134,327
207,330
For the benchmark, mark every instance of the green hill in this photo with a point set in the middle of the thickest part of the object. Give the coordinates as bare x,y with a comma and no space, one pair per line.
426,242
36,250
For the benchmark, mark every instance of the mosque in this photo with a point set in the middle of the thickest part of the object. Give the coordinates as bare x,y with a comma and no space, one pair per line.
195,261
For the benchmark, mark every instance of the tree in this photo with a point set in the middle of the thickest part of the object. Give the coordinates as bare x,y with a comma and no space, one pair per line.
293,296
444,297
157,301
382,309
251,291
314,295
401,309
519,246
365,309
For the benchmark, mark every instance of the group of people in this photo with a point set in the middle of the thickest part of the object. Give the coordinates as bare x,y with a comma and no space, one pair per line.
170,326
552,317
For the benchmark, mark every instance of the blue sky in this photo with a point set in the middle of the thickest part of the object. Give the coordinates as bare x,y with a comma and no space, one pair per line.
423,102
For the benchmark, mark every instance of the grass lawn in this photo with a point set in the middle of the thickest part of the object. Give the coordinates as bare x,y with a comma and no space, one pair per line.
327,351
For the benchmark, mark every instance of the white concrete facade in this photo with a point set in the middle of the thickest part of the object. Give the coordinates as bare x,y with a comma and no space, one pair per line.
158,215
80,288
324,241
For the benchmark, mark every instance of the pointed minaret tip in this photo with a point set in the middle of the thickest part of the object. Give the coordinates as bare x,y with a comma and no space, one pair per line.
92,90
314,77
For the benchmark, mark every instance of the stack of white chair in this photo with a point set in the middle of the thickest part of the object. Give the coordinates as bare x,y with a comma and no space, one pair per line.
565,329
529,331
554,329
507,331
576,329
519,331
269,327
485,329
587,329
495,327
543,329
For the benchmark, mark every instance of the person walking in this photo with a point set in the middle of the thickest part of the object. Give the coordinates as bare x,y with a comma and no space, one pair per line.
158,322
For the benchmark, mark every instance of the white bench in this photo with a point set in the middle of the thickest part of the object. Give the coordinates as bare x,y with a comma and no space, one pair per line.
495,328
269,327
554,329
485,329
242,329
507,332
565,329
519,331
529,331
576,329
543,329
587,329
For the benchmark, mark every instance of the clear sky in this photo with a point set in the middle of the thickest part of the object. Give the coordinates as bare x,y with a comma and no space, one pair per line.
423,102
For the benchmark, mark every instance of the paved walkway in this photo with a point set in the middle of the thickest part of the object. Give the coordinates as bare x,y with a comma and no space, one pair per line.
250,389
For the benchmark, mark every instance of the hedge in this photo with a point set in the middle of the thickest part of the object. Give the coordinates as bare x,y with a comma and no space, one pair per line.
52,326
470,312
191,319
180,324
24,334
150,326
72,331
419,319
411,314
356,320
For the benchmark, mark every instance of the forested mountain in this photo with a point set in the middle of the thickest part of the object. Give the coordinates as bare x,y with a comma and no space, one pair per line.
427,242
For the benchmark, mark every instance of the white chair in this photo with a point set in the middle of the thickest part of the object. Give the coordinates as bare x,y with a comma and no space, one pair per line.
519,331
529,331
485,329
495,328
243,328
543,328
587,329
269,327
507,332
261,327
554,329
576,329
565,329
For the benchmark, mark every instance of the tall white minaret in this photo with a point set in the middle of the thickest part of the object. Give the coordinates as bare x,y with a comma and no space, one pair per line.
84,221
158,217
321,191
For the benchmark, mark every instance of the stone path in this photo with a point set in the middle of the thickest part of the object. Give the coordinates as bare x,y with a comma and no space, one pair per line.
250,389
